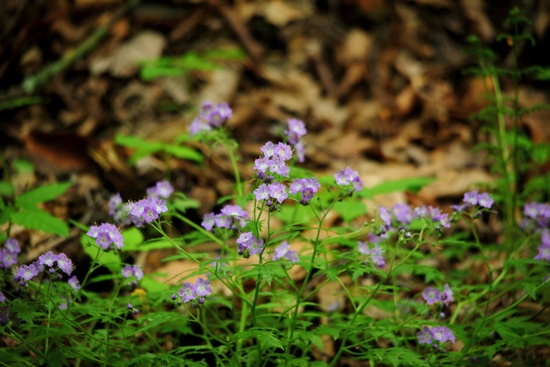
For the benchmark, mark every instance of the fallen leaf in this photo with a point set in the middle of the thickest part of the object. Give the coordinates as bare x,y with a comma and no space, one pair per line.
146,45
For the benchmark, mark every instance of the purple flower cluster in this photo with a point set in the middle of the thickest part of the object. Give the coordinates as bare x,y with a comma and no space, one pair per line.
2,297
274,190
306,187
544,247
475,199
132,309
119,210
210,117
249,244
434,214
142,211
537,214
432,295
283,251
348,177
194,292
374,254
49,263
8,254
400,215
296,130
107,236
162,189
132,272
230,217
147,210
74,283
435,334
273,161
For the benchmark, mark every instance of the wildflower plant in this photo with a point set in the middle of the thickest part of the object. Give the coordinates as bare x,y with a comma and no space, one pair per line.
282,283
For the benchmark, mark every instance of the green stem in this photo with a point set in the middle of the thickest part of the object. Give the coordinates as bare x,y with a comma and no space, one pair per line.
362,306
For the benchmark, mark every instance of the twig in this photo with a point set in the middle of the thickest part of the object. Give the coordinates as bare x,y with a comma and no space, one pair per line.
254,48
31,83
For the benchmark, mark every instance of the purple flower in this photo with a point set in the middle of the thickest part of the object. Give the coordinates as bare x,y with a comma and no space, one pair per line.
64,263
209,221
374,254
131,308
12,245
187,292
300,152
107,236
473,198
2,297
162,189
485,200
296,130
278,166
239,216
432,295
249,245
210,116
8,254
544,247
403,213
283,151
7,258
277,191
262,165
50,262
262,192
47,260
537,213
348,177
118,210
147,210
307,187
425,336
230,217
197,126
434,214
74,283
25,273
202,287
273,161
132,271
283,251
268,149
385,216
194,292
447,295
440,334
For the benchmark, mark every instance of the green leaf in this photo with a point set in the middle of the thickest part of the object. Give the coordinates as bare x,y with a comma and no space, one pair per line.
265,338
151,285
55,358
23,166
349,210
543,74
133,238
34,218
152,72
109,259
6,189
183,152
42,194
131,141
405,184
